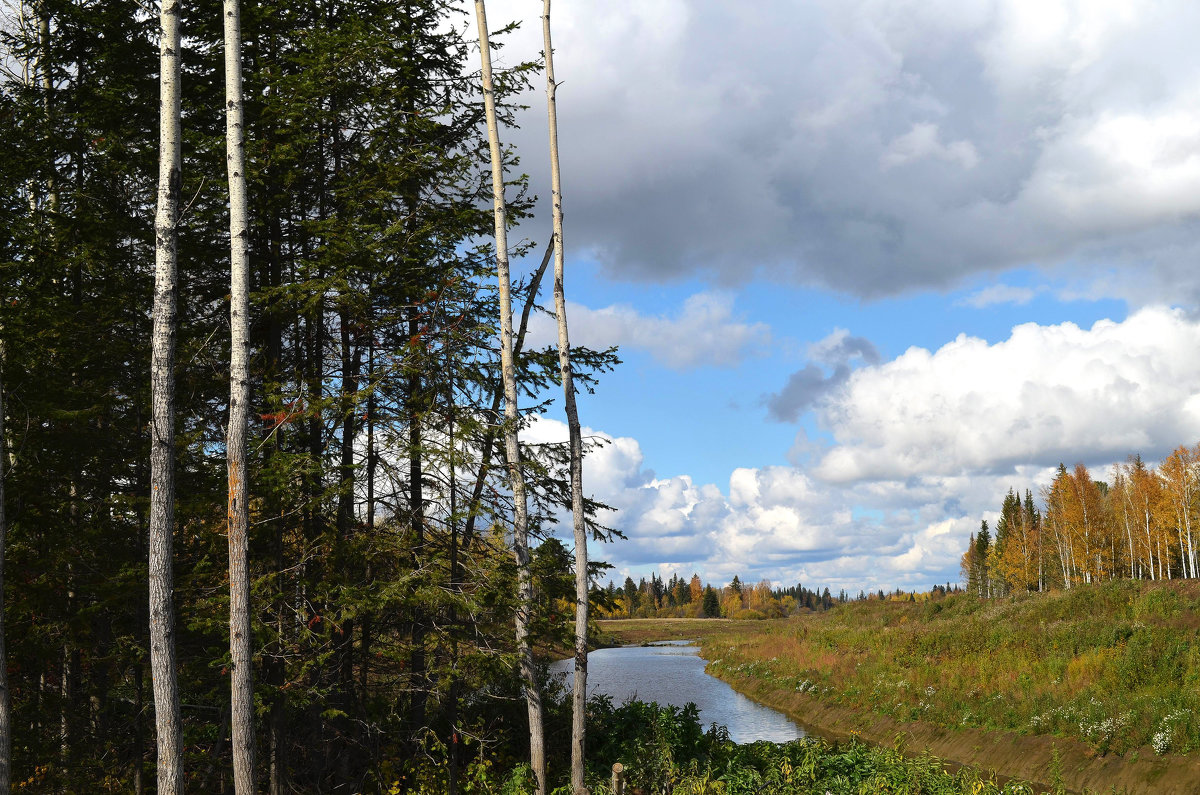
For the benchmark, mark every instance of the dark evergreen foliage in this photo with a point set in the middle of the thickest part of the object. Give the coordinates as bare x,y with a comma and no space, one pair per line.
382,586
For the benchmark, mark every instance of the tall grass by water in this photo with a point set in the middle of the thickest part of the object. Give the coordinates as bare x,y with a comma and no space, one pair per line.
666,751
1115,665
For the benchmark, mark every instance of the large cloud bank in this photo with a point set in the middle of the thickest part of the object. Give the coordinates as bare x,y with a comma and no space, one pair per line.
920,449
1047,393
876,146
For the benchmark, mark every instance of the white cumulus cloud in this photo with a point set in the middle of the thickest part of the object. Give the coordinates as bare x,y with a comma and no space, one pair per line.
1047,393
778,523
922,447
705,332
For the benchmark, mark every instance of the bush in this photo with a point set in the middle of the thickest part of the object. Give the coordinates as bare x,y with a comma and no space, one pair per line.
748,615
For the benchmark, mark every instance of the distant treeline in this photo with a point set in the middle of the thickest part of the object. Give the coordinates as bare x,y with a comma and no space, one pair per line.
1137,525
692,598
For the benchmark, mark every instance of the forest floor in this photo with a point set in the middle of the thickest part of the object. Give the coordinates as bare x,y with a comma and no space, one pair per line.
1074,688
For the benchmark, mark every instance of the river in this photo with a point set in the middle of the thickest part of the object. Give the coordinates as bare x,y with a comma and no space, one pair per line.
672,672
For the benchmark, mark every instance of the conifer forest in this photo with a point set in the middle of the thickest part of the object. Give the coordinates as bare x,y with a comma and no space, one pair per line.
261,466
292,488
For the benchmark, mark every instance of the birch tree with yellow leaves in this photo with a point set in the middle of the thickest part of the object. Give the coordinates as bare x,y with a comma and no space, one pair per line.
1178,474
1017,544
1142,525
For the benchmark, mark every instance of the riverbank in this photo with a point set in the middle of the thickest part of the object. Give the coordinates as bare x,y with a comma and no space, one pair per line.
666,749
1067,686
631,631
1046,762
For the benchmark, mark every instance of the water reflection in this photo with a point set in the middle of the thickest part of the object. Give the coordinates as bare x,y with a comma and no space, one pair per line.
672,672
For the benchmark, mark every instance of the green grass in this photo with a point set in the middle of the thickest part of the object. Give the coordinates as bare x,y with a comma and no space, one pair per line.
666,751
1115,665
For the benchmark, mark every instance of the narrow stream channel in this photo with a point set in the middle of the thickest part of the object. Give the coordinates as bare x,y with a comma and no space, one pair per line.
672,672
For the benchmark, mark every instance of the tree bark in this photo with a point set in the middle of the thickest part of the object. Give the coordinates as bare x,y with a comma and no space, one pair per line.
272,446
351,365
162,420
416,506
5,701
452,747
533,699
489,436
43,17
579,689
364,670
242,673
139,783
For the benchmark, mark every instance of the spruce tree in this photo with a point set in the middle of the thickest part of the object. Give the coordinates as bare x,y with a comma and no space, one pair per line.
365,167
983,543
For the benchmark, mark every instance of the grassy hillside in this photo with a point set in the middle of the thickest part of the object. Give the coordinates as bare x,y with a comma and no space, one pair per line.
1116,665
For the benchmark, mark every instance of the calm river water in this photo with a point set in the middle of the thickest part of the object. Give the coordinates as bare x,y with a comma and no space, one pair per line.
673,673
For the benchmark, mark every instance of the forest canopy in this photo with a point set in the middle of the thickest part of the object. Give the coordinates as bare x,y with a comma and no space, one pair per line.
382,583
1139,524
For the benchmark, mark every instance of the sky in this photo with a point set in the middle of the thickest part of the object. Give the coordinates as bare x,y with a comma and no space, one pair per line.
869,264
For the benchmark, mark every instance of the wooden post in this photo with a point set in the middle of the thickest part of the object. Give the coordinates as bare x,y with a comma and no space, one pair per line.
618,779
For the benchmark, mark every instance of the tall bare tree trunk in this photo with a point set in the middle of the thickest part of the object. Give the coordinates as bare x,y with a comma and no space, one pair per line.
1189,475
1149,539
533,698
162,414
139,782
242,675
66,692
454,750
579,691
5,702
43,18
416,506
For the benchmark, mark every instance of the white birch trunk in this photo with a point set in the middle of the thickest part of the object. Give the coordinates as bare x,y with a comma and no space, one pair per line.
5,699
1063,555
1149,544
1183,561
579,689
1186,509
29,80
1126,506
43,17
1087,549
533,698
1041,562
242,673
1129,538
162,410
1183,555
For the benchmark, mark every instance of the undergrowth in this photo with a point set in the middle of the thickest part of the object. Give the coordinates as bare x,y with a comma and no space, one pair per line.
666,751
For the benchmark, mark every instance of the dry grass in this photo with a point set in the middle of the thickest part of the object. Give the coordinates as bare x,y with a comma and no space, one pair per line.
1116,665
633,631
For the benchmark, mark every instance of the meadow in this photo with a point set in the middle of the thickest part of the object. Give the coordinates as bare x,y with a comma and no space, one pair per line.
1102,676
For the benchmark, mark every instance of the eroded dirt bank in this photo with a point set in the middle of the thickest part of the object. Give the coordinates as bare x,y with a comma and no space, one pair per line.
1030,758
